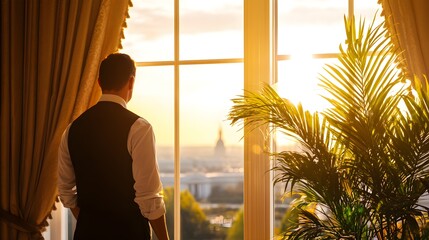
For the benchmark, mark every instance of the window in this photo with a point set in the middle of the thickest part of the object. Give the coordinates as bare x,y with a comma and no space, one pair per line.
184,90
193,56
309,35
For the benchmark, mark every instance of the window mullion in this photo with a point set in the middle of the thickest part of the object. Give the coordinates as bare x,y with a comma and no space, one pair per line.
176,123
257,70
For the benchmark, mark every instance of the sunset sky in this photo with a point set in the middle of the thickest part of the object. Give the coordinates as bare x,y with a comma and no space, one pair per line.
214,30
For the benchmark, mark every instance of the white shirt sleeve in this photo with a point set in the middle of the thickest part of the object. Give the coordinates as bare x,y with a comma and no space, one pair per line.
148,186
66,176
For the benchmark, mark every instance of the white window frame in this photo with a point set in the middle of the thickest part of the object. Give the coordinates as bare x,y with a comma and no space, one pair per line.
258,67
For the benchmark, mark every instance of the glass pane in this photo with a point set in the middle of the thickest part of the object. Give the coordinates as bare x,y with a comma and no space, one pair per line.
153,99
368,9
310,26
211,29
298,81
283,218
149,35
211,151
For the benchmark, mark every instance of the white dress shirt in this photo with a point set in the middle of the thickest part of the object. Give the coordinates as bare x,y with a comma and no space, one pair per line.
141,146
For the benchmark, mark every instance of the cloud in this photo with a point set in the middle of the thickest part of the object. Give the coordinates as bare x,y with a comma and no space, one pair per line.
305,15
149,23
227,19
327,13
153,22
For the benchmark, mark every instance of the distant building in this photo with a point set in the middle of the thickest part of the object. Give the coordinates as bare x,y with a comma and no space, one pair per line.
220,146
200,185
205,173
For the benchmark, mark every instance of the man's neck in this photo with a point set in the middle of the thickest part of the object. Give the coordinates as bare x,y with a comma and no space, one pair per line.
122,93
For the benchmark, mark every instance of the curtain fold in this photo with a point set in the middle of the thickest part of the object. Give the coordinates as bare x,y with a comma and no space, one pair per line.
408,22
50,51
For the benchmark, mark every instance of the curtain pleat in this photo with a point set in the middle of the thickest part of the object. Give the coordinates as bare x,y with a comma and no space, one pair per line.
408,22
50,51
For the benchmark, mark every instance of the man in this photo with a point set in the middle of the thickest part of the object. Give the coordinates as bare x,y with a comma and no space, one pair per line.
108,174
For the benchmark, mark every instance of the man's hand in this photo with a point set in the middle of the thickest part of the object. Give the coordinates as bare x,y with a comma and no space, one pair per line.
160,228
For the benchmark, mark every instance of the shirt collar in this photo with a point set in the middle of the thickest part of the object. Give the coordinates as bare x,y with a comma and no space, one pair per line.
113,98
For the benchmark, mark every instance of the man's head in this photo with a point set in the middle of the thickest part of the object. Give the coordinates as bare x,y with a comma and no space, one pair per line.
117,73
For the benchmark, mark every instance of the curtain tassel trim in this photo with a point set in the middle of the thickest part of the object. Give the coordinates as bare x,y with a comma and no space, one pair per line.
20,224
25,227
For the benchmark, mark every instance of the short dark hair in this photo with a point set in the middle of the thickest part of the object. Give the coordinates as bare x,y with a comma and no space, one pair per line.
115,71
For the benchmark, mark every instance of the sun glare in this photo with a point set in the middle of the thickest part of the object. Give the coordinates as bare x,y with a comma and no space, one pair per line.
299,82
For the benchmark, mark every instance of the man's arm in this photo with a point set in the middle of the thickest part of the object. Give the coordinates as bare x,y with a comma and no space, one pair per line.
148,186
75,211
66,177
160,228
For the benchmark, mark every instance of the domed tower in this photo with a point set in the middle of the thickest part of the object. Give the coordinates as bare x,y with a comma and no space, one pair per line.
220,146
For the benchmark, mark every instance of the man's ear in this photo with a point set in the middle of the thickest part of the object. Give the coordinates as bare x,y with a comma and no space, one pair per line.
99,84
131,82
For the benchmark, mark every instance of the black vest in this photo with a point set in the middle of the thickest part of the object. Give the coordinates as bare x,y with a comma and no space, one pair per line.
97,144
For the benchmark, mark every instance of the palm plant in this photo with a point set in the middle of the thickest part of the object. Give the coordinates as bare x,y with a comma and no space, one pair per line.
363,163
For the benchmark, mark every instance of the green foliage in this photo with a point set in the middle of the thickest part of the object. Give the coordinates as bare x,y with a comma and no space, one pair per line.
289,220
194,224
236,230
169,208
363,162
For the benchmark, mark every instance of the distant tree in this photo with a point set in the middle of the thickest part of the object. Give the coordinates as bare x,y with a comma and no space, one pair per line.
169,207
230,194
194,223
236,231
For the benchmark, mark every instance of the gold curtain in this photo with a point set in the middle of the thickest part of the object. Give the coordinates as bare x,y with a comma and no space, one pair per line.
50,51
408,21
